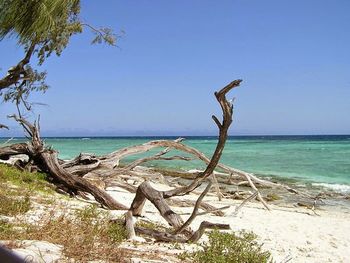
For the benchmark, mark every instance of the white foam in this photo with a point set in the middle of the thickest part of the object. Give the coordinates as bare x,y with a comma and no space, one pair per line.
340,188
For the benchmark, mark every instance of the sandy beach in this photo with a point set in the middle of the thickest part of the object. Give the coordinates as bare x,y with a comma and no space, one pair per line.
291,233
188,131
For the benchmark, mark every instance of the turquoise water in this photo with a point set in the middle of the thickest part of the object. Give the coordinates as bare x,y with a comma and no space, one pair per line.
313,159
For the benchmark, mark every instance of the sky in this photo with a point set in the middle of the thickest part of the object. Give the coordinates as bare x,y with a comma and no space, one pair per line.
293,57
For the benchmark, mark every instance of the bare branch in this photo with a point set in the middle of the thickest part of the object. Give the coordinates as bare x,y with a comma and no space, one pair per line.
195,210
2,126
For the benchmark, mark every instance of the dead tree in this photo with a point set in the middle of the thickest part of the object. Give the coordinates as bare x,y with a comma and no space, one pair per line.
46,159
75,175
157,198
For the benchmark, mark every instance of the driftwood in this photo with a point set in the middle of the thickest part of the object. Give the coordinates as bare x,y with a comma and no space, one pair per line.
157,198
195,210
46,159
78,175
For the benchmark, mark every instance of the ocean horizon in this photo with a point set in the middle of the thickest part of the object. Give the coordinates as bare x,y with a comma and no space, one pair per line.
273,136
320,160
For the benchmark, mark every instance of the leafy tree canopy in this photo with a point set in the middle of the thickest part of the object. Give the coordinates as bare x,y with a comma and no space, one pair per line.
48,24
42,27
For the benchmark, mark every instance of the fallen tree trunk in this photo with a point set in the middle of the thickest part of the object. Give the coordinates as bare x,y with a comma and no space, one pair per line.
47,161
74,175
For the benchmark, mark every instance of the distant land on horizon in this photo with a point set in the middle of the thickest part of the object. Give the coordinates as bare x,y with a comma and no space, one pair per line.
187,136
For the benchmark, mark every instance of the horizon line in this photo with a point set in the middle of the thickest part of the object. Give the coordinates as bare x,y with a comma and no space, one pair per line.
177,136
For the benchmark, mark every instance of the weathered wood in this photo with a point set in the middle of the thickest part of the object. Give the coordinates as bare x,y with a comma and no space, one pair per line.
46,159
157,156
206,225
251,197
13,149
195,210
161,236
129,225
73,175
203,205
146,191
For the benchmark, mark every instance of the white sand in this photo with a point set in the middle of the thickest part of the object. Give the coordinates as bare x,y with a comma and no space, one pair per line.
287,232
295,233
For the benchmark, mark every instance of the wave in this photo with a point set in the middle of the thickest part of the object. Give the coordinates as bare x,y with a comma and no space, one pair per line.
86,138
340,188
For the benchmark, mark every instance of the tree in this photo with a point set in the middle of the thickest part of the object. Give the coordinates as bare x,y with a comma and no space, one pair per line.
42,27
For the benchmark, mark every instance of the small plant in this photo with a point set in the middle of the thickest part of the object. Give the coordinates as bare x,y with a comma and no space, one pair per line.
151,225
26,180
229,248
272,197
86,235
176,245
11,206
116,232
5,229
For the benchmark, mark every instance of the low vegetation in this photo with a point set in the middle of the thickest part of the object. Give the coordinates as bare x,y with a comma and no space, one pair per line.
229,248
11,206
89,234
85,235
29,182
17,189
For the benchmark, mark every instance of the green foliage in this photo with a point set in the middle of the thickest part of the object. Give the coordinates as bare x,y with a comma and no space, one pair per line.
104,35
272,197
42,27
89,213
6,229
48,23
35,81
116,232
17,186
229,248
98,222
25,180
151,225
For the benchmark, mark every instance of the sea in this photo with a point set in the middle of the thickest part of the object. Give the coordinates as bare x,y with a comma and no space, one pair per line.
322,161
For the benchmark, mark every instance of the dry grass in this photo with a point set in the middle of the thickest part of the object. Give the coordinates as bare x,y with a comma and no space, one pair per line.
85,235
11,206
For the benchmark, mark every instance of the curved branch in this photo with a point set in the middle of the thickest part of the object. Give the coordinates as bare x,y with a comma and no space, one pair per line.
47,161
2,126
195,209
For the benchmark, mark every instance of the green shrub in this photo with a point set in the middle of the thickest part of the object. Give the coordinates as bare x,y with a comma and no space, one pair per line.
116,232
229,248
23,179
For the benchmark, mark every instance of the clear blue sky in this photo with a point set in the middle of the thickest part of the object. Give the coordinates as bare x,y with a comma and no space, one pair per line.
293,56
